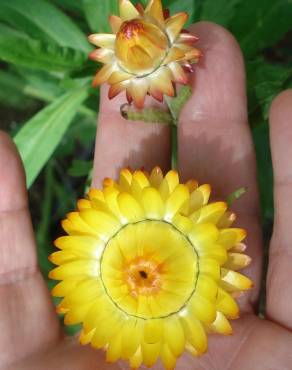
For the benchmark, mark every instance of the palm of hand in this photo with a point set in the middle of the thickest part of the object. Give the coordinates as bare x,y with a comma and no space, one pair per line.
213,130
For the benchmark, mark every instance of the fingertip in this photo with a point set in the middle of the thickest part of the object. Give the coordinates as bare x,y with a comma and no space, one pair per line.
216,114
12,177
281,135
206,28
281,108
218,80
122,143
213,37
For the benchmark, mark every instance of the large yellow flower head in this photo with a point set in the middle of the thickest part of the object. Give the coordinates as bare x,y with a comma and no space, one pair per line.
147,52
149,268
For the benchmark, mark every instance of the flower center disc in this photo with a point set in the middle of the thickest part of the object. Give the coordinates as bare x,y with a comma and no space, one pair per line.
149,269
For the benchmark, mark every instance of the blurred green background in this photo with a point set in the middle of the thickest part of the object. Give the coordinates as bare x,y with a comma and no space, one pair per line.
48,106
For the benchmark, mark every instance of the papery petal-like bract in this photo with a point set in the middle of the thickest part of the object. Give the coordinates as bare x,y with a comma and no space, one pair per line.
149,267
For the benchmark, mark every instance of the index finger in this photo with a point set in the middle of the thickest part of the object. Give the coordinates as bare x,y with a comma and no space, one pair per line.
279,292
215,144
121,143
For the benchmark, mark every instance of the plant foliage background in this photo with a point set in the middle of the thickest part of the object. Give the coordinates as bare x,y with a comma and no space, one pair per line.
49,107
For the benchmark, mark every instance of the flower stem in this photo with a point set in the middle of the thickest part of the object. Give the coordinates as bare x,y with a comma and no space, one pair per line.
174,145
175,105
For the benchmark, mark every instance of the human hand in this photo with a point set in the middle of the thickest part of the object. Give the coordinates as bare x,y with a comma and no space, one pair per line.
215,146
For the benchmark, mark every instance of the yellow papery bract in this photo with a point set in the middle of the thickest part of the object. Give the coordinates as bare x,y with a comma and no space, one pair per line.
207,287
234,281
176,201
132,332
200,197
167,357
202,309
149,267
210,213
221,325
237,261
137,360
230,237
127,10
150,352
174,335
226,304
130,208
152,203
86,338
114,351
156,177
195,332
147,53
76,314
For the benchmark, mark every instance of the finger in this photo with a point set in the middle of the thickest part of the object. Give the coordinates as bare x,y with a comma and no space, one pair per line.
215,144
253,341
215,140
25,310
279,291
68,354
121,143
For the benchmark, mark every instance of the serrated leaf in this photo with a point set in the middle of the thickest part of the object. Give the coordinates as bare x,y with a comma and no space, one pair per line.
39,137
97,13
219,11
35,54
261,24
42,20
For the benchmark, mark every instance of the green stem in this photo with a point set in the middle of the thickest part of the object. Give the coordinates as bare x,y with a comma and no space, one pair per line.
46,211
174,145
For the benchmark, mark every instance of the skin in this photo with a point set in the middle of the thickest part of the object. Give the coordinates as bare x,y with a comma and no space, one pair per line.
213,130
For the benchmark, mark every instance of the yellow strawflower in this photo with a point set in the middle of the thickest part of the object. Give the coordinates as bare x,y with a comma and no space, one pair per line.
147,52
149,267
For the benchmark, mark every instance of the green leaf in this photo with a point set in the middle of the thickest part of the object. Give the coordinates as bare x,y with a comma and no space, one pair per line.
97,13
43,21
80,168
260,24
74,6
177,6
40,84
213,11
35,54
265,81
9,31
46,87
11,91
39,137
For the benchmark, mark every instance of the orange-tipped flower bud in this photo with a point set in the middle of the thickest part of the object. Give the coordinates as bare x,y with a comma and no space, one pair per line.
148,52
